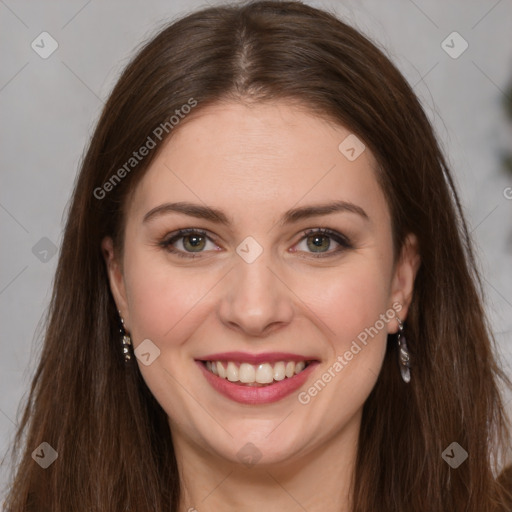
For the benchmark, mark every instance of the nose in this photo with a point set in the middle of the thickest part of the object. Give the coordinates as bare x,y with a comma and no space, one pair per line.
256,300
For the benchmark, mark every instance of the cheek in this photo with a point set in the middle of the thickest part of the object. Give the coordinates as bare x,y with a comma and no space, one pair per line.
161,298
166,302
351,304
354,308
347,300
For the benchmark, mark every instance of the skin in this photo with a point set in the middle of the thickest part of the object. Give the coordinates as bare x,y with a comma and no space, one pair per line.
254,163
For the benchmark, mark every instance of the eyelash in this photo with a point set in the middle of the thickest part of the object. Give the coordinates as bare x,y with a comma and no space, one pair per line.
342,240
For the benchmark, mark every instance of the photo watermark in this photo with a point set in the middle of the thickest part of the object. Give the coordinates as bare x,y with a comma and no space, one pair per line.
304,397
143,151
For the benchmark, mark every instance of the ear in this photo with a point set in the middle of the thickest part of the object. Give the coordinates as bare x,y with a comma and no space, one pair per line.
402,285
116,279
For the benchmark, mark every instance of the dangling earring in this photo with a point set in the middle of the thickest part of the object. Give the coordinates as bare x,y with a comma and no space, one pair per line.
403,353
126,341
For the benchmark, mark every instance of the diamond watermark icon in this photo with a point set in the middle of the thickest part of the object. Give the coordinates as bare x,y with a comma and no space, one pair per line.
454,45
454,455
44,45
249,454
44,455
44,250
249,250
351,147
147,352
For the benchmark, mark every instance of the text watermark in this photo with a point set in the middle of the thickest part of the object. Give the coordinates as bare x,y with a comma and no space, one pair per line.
304,397
143,151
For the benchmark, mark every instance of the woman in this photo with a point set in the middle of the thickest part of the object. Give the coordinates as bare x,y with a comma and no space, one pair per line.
266,294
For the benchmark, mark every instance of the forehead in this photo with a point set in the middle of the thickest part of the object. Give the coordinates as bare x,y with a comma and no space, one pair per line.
252,160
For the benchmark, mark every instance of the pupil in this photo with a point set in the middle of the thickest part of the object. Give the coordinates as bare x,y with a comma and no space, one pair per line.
194,241
317,241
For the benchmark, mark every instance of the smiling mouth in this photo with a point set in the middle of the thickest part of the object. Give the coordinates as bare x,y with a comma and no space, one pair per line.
260,375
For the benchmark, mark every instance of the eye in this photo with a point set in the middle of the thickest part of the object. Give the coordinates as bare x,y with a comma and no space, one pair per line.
188,242
319,241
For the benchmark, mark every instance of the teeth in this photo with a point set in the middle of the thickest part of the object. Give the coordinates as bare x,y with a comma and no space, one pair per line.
264,373
279,371
220,369
232,372
247,373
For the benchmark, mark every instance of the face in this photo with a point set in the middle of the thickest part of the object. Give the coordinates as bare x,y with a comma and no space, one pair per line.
287,262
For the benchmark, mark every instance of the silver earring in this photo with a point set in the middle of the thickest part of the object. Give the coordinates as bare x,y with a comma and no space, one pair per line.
403,354
126,341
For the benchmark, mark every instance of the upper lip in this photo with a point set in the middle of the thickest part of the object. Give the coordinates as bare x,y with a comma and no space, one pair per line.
264,357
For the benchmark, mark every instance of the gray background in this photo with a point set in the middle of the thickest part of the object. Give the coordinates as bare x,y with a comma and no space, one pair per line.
49,107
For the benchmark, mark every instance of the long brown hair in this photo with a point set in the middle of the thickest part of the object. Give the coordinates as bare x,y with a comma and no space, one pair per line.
112,437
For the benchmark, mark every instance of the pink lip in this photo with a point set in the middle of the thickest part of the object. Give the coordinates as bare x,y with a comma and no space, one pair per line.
245,357
256,395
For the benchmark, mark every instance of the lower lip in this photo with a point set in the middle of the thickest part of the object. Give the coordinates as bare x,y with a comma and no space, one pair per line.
257,395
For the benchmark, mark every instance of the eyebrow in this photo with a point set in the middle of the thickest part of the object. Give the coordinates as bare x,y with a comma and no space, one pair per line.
219,217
